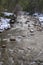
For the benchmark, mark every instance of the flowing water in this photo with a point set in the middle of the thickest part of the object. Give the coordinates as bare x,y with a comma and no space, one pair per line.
20,46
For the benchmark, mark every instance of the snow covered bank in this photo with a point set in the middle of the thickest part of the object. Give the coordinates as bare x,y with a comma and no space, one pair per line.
41,20
4,24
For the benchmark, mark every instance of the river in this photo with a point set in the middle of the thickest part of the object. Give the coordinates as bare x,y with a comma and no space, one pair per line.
22,44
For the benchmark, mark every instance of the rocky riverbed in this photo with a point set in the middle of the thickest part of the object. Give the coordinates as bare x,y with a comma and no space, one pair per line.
22,44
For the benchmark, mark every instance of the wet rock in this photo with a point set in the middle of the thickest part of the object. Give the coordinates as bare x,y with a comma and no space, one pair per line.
40,57
12,38
32,34
4,39
18,38
23,36
31,30
39,28
11,51
1,63
21,51
17,21
33,63
8,40
26,22
28,25
9,34
11,61
3,46
29,48
38,61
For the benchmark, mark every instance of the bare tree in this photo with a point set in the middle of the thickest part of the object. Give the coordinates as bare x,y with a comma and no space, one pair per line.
17,9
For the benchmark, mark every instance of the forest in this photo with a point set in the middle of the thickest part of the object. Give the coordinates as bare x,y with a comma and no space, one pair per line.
27,5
